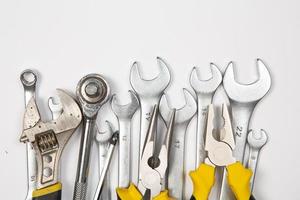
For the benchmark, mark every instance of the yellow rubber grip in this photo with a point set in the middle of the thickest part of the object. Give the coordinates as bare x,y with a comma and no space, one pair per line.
130,193
239,180
203,180
163,196
52,192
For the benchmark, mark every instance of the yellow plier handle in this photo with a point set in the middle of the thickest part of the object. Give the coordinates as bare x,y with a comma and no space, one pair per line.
132,193
52,192
238,180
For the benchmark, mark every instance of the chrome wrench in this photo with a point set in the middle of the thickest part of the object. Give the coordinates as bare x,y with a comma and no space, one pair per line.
243,99
256,140
55,107
102,140
124,113
149,93
112,143
205,90
29,78
92,92
176,156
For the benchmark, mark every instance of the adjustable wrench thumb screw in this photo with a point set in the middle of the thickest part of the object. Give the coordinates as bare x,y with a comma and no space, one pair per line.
92,92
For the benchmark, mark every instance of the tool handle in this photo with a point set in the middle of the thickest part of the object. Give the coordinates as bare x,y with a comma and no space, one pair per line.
52,192
239,180
163,196
203,180
130,193
252,197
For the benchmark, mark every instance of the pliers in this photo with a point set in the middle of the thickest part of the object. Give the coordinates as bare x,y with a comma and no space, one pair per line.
153,165
220,154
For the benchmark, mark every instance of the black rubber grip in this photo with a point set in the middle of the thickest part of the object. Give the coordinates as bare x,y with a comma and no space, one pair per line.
251,198
52,192
193,198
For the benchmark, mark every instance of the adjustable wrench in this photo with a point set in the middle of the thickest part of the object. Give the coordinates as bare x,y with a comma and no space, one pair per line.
176,156
29,78
102,139
243,99
149,93
124,114
256,140
205,90
92,92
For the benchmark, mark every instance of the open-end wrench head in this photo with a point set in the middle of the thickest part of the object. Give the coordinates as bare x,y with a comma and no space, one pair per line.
104,136
257,139
247,93
151,87
183,114
55,106
125,111
207,86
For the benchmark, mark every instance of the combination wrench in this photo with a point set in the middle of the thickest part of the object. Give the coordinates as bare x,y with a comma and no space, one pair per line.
92,91
176,155
243,99
124,113
29,78
149,93
102,139
256,140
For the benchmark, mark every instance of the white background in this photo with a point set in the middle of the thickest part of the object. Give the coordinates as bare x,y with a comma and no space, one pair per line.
65,40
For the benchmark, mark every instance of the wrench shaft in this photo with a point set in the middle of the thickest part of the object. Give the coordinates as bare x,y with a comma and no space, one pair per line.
124,152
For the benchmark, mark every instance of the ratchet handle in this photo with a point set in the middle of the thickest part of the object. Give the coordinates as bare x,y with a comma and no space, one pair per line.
239,181
130,193
203,180
52,192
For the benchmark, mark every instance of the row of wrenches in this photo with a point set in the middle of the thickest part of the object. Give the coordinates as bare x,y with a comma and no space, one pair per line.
93,91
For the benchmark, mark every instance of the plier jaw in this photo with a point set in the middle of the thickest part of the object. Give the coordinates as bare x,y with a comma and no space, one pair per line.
153,167
220,153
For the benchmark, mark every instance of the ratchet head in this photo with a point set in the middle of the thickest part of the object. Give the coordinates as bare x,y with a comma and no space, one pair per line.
257,139
250,93
125,111
151,87
183,114
208,86
49,138
92,91
104,136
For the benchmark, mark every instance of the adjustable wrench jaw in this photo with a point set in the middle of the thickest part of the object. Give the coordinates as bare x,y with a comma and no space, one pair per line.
49,138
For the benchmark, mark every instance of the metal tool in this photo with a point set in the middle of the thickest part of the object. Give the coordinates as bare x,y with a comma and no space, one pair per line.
256,140
48,140
205,90
124,114
103,139
243,99
55,107
113,141
220,153
153,167
149,93
92,92
29,78
176,156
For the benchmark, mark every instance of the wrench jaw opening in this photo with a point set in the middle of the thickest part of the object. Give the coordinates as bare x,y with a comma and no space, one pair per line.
49,138
153,87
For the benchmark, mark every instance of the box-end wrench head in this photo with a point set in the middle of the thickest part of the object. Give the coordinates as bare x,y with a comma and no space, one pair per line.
205,90
124,113
176,156
256,140
29,79
243,99
92,91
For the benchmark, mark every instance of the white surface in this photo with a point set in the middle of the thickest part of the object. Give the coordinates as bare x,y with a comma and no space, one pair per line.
65,40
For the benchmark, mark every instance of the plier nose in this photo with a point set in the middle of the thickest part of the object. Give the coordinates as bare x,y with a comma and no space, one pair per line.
153,167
